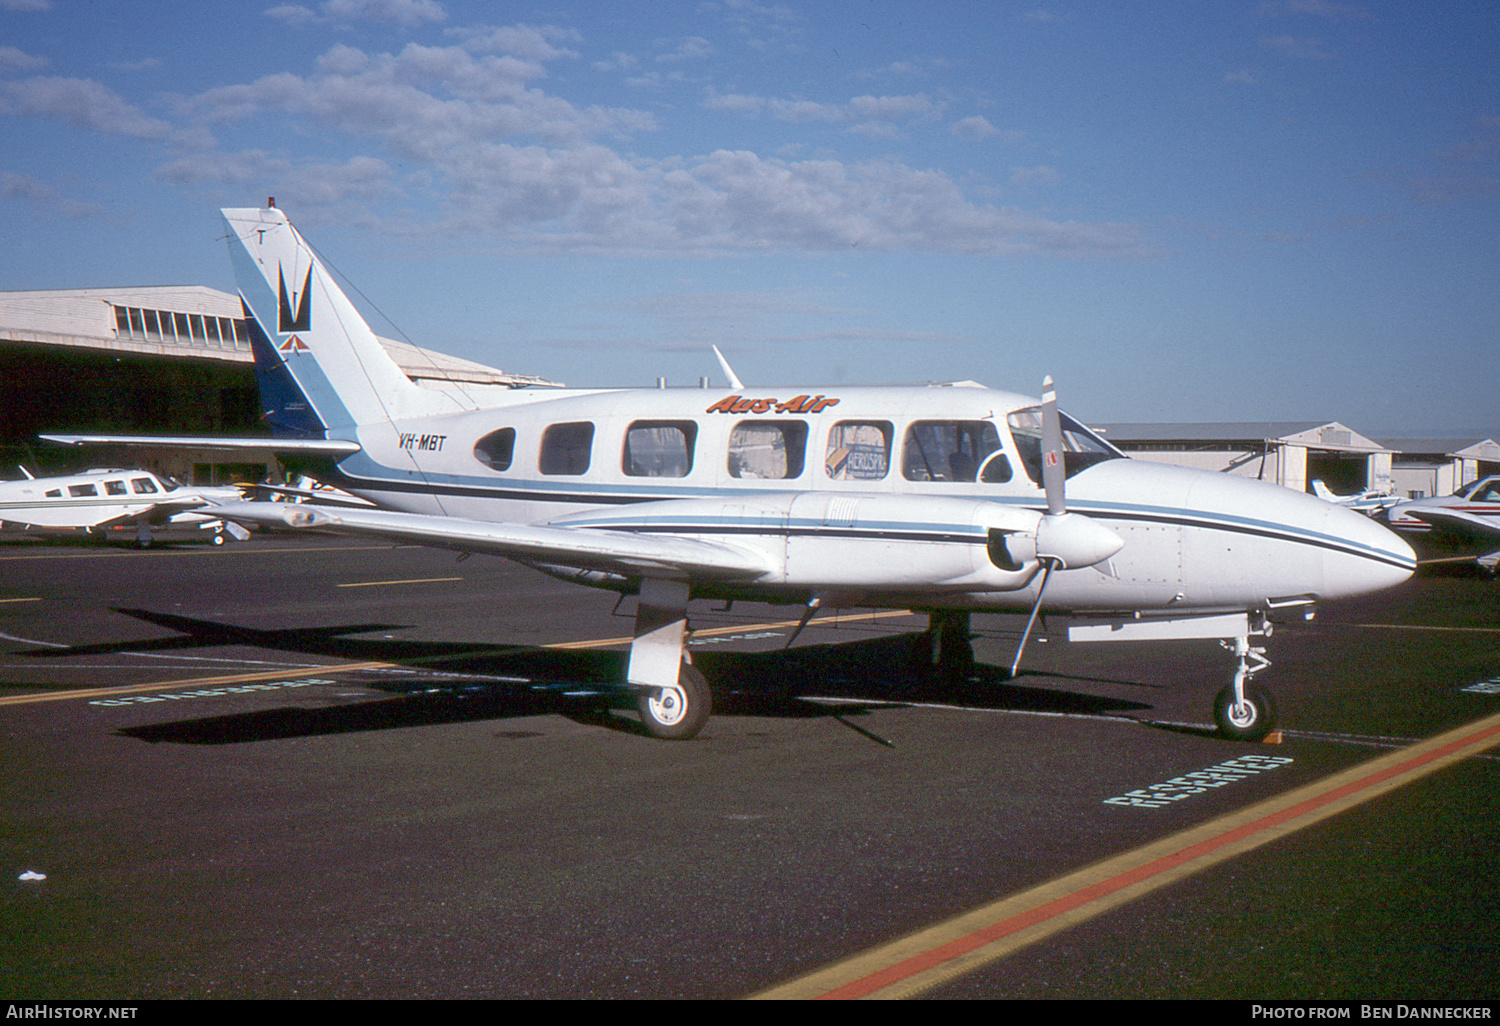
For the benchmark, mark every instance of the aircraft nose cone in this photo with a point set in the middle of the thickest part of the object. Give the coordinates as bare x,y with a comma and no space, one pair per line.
1371,558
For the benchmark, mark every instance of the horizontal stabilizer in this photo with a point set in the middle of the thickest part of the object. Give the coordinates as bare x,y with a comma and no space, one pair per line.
302,446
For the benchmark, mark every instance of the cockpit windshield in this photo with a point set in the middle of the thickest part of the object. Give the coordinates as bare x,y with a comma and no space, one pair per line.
1081,447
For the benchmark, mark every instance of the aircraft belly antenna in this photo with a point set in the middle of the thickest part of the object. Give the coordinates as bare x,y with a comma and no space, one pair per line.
734,380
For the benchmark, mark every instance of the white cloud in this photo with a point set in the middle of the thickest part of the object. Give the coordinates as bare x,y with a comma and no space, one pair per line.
1298,47
409,13
976,127
10,57
468,130
81,103
43,197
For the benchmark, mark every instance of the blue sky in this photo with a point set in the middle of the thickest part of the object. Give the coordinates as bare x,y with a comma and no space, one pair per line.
1181,209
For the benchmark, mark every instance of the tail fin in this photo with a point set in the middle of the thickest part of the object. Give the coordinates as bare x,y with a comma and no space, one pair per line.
321,368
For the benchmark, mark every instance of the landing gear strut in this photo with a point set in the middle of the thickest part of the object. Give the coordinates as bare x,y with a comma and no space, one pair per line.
1243,711
672,696
945,650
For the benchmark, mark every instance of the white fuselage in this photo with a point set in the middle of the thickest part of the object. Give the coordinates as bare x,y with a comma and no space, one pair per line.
813,477
82,500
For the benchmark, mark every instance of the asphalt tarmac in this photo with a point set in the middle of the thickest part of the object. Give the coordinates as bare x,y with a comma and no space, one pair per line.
311,768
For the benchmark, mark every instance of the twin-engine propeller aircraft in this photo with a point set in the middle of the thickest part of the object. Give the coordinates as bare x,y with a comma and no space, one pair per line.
949,500
99,499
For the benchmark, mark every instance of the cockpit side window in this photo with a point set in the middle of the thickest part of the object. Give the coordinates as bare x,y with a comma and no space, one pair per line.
954,450
143,485
1081,447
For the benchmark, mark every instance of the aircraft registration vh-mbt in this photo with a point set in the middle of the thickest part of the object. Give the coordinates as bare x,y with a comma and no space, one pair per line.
948,500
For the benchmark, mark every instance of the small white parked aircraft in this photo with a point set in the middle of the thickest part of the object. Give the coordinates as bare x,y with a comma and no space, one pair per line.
99,499
1465,524
1368,502
949,499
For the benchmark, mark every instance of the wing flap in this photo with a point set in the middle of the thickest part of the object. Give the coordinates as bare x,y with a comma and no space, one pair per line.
621,552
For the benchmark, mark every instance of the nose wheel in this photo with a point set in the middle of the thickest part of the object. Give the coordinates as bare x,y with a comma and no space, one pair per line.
1243,711
1249,718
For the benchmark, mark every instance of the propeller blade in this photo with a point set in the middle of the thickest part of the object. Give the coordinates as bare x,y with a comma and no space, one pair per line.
1046,576
1053,472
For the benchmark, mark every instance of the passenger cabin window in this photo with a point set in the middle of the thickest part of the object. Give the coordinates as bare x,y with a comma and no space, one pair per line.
859,450
768,449
658,448
496,449
1081,447
115,488
143,485
54,493
566,448
954,450
80,491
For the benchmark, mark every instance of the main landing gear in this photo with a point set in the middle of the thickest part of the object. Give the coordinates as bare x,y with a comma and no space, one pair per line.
672,696
676,712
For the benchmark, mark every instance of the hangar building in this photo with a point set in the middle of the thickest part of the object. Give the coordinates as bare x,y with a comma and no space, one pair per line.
153,360
1289,454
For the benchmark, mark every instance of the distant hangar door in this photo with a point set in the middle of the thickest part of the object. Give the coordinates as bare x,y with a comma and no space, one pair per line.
1343,472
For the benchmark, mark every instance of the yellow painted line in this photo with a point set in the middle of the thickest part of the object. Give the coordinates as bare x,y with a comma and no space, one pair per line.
411,580
37,599
940,953
230,549
235,678
244,678
1419,627
713,631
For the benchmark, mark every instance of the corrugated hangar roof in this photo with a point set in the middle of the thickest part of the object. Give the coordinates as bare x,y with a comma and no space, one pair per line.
190,321
1328,434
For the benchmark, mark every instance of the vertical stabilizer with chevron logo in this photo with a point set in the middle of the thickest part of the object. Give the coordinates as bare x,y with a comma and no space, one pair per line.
321,369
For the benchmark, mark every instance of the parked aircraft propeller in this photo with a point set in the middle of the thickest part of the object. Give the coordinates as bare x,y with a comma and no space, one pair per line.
1064,541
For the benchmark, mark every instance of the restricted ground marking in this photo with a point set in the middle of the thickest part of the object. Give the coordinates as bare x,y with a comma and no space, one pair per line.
237,689
136,689
1231,771
940,953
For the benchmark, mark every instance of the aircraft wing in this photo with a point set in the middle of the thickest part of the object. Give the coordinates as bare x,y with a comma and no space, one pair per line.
1457,521
620,552
305,446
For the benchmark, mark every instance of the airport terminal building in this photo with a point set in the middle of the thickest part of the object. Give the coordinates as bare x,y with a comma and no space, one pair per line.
175,360
163,360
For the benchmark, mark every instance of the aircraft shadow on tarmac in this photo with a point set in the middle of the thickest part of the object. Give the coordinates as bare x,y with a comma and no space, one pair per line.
450,683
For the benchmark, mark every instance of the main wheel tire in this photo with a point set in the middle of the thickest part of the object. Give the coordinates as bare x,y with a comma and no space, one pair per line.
679,712
1249,722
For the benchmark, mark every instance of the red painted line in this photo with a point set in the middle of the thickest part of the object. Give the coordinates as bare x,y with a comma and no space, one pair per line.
937,956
